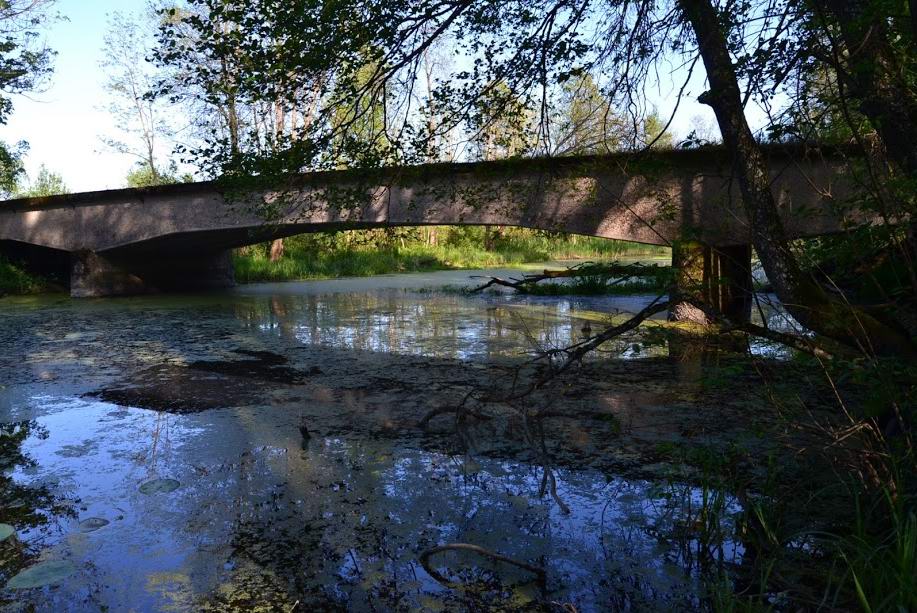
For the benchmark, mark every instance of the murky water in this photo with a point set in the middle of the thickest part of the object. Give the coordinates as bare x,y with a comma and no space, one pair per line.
151,449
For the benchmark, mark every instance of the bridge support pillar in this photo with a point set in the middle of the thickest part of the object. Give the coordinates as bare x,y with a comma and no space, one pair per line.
717,276
95,275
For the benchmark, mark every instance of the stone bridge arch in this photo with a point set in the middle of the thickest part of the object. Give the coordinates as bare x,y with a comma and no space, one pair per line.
178,236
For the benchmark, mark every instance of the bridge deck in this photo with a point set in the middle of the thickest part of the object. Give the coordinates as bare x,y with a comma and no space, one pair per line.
651,199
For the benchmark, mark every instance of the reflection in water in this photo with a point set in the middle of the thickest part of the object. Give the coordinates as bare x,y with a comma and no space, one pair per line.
338,523
226,508
31,507
444,325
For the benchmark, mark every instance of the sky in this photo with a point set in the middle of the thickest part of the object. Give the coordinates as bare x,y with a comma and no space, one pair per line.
64,124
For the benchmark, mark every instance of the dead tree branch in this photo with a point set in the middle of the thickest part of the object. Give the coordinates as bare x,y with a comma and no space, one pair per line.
493,555
624,272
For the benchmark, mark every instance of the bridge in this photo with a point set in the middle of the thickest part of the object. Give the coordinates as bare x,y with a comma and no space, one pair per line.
179,237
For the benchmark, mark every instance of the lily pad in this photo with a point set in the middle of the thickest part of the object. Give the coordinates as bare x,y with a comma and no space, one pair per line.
159,486
43,573
471,467
91,524
6,531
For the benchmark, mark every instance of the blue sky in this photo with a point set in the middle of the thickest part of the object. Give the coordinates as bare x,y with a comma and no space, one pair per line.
65,123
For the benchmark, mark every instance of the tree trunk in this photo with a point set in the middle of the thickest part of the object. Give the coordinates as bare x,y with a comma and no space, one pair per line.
800,294
276,249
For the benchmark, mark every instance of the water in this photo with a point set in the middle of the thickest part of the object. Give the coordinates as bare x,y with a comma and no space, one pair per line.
109,404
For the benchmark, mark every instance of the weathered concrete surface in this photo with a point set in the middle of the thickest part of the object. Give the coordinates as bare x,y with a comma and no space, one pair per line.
177,236
655,201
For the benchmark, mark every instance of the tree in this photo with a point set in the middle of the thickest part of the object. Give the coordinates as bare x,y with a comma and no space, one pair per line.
521,51
143,175
244,100
702,133
211,79
46,183
500,125
25,65
139,117
361,125
655,133
588,122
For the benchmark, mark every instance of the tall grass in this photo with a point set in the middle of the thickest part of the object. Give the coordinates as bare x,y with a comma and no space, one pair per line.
373,252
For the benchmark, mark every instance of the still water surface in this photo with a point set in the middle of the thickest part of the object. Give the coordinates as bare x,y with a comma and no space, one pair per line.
152,457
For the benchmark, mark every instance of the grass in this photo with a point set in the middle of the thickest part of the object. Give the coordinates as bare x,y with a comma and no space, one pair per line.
15,280
360,253
825,523
657,279
256,266
880,565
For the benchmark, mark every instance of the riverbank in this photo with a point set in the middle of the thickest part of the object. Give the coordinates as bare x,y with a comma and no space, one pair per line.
376,252
366,253
14,280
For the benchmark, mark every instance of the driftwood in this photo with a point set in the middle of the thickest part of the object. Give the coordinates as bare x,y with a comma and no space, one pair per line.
624,272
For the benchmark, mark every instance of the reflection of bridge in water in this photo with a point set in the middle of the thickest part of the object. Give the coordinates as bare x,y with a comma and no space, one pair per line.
179,236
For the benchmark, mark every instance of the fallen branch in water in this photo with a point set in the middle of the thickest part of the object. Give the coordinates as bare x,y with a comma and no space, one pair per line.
493,555
575,353
474,400
625,272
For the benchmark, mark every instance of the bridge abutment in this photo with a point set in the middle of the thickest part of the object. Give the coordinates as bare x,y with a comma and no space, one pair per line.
95,275
717,276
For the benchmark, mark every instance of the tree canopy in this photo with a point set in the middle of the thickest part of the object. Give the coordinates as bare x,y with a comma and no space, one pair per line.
46,183
25,64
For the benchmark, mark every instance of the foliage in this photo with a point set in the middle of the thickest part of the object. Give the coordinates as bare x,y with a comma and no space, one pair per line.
144,176
15,280
371,252
501,124
360,124
141,119
25,64
11,166
46,183
655,134
360,55
656,280
589,123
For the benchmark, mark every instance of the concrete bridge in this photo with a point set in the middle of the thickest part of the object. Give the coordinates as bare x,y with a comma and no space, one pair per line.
179,236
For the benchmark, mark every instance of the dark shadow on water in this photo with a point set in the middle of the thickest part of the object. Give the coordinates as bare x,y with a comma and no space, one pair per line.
206,384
